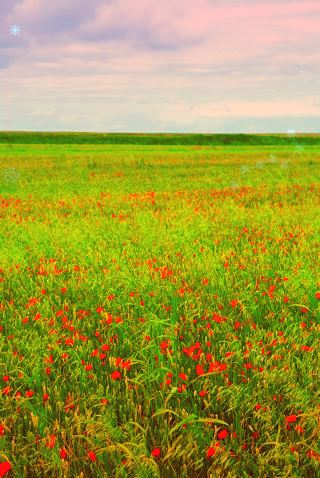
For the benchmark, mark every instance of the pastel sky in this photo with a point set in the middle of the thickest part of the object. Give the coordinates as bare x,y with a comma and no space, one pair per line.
160,66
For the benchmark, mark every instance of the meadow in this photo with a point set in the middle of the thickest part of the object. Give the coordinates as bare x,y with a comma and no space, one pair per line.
159,308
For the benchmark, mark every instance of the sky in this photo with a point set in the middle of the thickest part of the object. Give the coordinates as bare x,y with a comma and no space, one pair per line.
207,66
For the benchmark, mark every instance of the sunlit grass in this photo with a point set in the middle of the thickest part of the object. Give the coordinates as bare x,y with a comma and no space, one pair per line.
160,310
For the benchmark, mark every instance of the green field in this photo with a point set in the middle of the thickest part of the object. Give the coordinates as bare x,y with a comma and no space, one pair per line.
159,306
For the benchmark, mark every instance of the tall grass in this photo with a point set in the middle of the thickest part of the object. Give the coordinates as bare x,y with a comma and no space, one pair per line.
159,310
25,137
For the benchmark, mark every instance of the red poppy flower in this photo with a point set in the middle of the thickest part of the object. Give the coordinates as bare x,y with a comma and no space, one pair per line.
223,434
199,370
92,455
211,451
115,375
63,453
4,468
156,452
51,442
291,418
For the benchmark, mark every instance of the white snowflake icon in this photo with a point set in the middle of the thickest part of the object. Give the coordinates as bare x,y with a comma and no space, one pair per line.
15,29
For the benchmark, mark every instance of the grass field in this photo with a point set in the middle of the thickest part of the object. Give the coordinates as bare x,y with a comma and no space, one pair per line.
159,310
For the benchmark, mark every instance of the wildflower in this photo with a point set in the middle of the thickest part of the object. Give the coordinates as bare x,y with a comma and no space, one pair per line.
51,442
291,418
182,388
199,370
92,455
156,452
4,468
223,434
29,393
63,453
211,451
126,364
115,375
234,303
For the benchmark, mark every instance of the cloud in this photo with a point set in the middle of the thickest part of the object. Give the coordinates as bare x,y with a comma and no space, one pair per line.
175,60
47,18
168,26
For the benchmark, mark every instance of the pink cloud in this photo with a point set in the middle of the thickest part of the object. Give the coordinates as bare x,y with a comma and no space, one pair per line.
203,59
